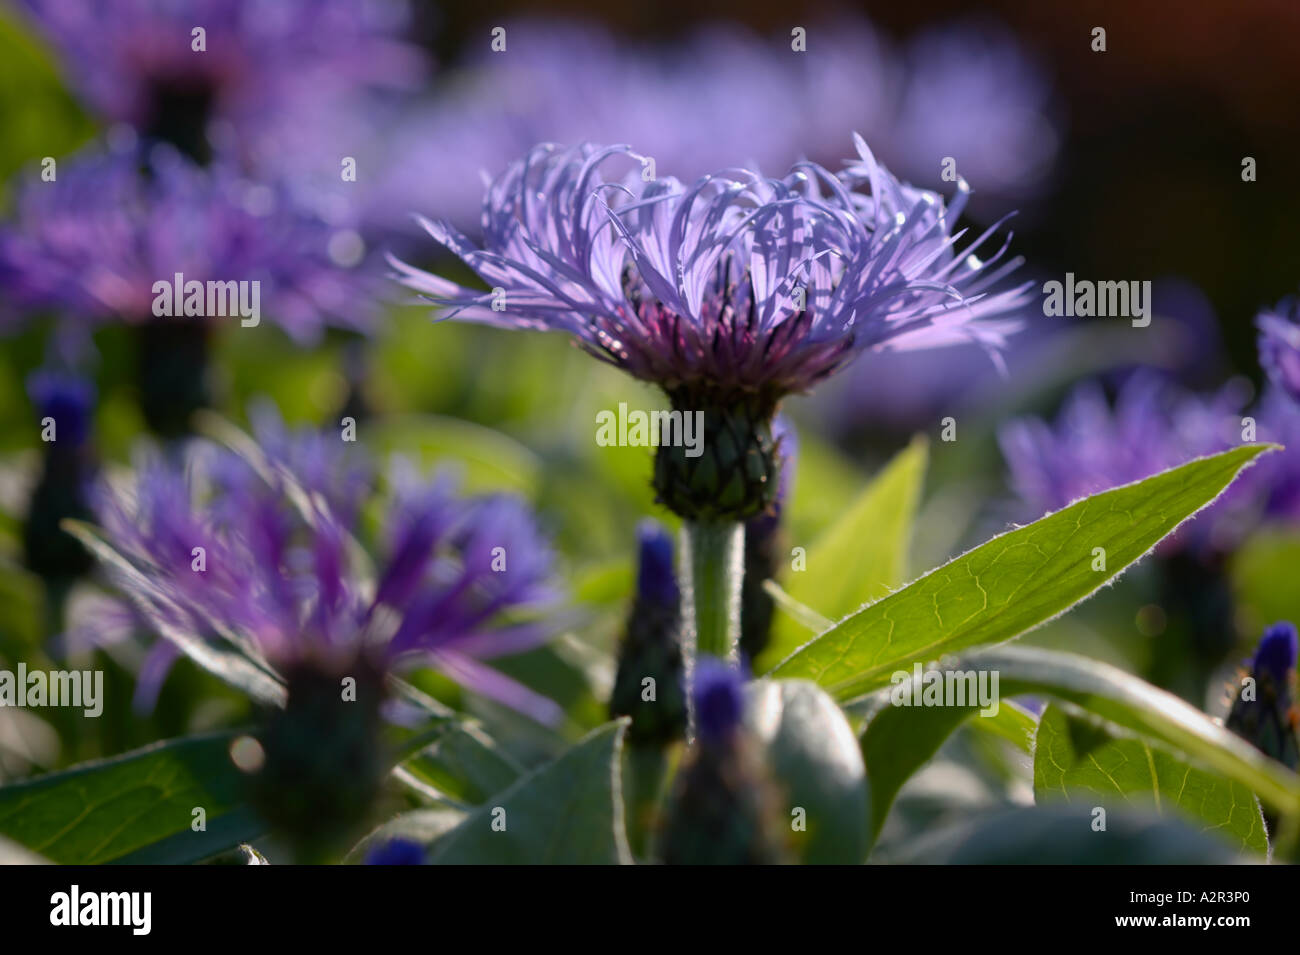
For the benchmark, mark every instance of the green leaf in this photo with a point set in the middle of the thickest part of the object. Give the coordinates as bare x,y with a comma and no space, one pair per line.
860,557
115,809
423,826
1074,754
1011,583
1135,705
569,811
454,760
463,766
899,740
816,762
1063,835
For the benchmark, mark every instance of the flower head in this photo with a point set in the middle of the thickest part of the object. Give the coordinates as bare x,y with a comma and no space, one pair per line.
236,550
1279,345
93,243
734,285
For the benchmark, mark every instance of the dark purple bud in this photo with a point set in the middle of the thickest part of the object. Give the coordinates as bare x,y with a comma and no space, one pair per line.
656,581
719,700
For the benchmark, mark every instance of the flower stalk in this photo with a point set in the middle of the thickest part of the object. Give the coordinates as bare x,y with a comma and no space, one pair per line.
716,551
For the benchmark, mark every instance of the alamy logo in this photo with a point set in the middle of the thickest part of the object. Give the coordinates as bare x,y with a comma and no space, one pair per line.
74,907
83,688
195,299
1085,299
946,688
642,429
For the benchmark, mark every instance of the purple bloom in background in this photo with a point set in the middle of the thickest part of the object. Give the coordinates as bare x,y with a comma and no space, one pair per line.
1092,447
1279,345
706,102
92,244
136,62
735,285
972,93
1275,479
721,96
282,579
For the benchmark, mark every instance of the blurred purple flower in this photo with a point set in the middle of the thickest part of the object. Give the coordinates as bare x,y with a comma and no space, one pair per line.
92,243
1275,478
463,580
721,96
972,93
1279,345
707,102
1154,425
134,61
736,284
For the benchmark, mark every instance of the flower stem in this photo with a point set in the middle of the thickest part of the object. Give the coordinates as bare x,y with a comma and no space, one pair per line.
716,551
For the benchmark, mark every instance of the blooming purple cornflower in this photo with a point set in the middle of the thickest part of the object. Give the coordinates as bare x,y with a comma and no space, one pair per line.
700,286
730,293
1279,345
140,62
233,550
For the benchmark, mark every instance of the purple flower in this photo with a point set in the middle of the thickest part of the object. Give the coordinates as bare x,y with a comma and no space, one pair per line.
135,61
282,576
972,93
1279,345
719,698
1153,425
93,243
707,101
735,285
1275,480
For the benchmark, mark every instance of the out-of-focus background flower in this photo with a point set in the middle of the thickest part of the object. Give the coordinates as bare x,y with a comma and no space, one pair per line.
330,123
